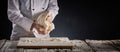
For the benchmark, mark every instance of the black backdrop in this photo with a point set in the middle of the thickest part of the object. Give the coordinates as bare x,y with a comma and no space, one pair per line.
77,20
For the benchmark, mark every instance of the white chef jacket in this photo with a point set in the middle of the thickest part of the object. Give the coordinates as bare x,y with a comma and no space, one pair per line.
22,13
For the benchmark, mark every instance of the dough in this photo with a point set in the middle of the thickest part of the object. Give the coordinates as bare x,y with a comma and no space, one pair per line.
42,20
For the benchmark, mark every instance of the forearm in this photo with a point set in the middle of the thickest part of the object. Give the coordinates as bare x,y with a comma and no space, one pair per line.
16,17
20,20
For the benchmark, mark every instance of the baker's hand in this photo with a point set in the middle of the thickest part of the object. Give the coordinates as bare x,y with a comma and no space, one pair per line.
39,28
49,17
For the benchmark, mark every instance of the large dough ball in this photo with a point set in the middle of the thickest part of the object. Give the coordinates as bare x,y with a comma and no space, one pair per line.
42,20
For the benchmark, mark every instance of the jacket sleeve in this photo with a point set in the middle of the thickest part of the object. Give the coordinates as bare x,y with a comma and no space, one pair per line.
53,8
16,17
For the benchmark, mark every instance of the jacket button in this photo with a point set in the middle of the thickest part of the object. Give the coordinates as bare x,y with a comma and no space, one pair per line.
33,9
43,8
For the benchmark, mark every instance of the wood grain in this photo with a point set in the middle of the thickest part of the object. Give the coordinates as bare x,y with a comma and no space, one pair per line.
100,45
2,42
79,46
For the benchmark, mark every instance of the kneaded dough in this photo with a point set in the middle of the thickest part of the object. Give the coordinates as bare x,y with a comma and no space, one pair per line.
42,20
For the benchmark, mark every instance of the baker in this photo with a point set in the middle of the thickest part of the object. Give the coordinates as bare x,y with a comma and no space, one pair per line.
23,14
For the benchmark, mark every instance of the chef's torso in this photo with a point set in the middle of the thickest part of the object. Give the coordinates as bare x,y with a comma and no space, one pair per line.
29,9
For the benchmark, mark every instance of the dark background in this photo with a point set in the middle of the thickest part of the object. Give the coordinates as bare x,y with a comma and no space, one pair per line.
77,20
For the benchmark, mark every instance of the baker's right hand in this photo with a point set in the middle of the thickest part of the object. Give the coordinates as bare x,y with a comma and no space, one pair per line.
39,28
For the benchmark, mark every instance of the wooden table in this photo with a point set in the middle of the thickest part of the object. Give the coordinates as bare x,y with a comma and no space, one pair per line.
80,46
